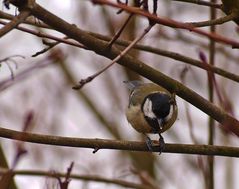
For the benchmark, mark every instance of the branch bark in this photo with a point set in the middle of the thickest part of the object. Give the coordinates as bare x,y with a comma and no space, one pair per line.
97,144
14,22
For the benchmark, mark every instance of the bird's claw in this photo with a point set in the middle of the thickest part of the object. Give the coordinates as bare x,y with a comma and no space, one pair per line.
150,144
161,144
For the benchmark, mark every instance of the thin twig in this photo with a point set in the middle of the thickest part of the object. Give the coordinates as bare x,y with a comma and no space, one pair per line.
10,59
201,2
92,178
217,21
121,54
49,47
170,23
48,36
118,33
6,83
65,183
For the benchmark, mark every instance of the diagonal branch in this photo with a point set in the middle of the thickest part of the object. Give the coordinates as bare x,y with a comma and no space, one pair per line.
14,22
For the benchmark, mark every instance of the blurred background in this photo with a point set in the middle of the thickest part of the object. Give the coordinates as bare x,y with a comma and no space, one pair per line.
36,85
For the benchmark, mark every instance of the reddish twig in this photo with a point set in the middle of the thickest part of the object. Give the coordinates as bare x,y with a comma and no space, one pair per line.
170,22
65,183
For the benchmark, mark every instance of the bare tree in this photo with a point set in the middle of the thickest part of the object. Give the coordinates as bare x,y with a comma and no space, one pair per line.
70,93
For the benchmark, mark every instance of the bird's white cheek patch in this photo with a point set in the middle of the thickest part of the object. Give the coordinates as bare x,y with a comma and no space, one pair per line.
147,109
169,116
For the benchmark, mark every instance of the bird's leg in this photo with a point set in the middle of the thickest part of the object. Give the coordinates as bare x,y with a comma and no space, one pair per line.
161,144
149,143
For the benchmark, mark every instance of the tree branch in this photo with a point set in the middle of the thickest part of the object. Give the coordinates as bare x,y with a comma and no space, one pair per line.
14,22
117,144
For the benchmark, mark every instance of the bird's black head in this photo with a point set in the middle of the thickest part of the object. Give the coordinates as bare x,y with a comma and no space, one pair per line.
160,104
156,107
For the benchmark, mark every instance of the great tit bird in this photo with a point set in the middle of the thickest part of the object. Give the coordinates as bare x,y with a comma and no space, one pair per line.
151,109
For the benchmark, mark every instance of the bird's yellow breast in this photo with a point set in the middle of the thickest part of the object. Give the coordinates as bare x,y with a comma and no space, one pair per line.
136,118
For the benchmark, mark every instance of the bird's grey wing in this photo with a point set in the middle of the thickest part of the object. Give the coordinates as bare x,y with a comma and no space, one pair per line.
133,84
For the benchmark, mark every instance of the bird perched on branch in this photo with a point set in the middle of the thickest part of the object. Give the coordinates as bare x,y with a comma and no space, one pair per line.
151,109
